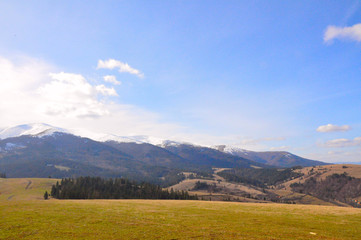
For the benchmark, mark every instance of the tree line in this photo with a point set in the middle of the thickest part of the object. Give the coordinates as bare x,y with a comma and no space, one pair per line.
118,188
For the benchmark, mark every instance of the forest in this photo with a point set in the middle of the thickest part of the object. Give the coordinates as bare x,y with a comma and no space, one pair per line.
260,177
118,188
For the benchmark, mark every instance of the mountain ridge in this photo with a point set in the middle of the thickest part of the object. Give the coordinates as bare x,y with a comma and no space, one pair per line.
134,156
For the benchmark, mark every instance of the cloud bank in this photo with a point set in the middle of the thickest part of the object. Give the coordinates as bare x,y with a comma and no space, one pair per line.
343,142
121,66
333,128
343,33
35,91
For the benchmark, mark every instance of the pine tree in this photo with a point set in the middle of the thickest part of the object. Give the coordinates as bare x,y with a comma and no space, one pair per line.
46,195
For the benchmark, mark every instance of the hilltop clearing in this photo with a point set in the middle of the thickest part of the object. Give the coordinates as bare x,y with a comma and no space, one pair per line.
24,188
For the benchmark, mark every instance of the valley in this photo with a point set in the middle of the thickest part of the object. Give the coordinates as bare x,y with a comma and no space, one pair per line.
217,188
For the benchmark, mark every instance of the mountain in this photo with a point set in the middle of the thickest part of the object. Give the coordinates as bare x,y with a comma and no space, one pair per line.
275,158
34,129
40,150
182,156
204,156
65,155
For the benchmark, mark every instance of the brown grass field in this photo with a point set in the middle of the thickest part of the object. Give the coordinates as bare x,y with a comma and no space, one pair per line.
24,188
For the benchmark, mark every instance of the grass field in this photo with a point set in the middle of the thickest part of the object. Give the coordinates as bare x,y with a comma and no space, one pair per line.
166,219
26,216
24,188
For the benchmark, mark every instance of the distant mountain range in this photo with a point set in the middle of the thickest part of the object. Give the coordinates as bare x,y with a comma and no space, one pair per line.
274,158
41,150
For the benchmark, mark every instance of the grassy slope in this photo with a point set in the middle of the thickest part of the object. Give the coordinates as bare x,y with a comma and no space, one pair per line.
24,188
156,219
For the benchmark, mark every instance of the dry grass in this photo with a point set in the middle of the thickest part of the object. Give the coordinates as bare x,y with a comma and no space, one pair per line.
24,188
190,183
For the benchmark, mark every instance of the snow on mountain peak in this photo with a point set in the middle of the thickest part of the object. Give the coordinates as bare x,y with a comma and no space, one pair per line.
115,138
42,129
139,139
34,129
132,139
230,149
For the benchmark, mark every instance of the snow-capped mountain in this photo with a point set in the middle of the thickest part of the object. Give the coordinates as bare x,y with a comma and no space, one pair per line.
274,158
34,129
186,151
42,129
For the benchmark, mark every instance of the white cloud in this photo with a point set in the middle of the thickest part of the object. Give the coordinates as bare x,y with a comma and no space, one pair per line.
19,78
70,94
349,33
343,142
28,93
351,155
333,128
121,66
106,91
111,79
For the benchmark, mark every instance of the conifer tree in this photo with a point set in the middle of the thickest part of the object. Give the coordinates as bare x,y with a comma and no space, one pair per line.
46,195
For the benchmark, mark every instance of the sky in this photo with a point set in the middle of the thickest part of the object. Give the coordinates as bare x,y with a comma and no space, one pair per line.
260,75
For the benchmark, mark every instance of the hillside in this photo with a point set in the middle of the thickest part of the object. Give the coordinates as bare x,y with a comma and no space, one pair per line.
272,185
151,154
204,156
12,189
319,173
28,156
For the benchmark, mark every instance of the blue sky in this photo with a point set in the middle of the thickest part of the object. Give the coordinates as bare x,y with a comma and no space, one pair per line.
261,75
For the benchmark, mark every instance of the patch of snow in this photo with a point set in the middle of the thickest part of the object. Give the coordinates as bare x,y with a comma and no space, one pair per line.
139,139
148,139
12,146
235,150
168,143
121,139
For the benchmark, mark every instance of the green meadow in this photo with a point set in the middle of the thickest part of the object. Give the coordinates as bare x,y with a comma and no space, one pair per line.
167,219
34,218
